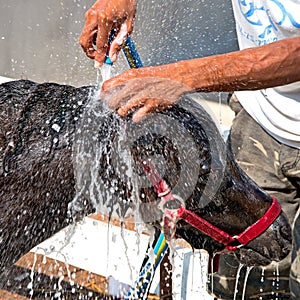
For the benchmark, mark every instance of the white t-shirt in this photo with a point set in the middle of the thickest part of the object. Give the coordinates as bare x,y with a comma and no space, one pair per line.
260,22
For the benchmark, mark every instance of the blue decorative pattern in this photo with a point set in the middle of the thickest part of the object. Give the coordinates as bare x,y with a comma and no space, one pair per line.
257,13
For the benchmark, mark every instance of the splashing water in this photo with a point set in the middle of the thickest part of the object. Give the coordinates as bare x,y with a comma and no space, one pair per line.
106,72
238,274
107,173
262,279
126,253
30,285
102,161
103,167
248,270
276,279
36,269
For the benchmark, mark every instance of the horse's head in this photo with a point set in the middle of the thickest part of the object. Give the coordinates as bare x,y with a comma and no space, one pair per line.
179,155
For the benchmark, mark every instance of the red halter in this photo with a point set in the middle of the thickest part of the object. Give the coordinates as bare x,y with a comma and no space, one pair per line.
201,224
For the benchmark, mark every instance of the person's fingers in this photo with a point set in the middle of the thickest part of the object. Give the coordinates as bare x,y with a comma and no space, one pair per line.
127,94
131,105
105,26
142,112
138,76
141,107
88,33
103,33
117,43
119,95
124,78
101,18
142,96
86,42
111,83
129,24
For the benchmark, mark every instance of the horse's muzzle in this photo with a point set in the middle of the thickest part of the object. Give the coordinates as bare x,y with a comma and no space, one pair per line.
272,245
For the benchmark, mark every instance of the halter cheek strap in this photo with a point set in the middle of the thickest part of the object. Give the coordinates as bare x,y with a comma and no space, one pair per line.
230,242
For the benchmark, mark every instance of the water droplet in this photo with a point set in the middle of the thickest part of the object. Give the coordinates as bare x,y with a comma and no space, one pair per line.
56,127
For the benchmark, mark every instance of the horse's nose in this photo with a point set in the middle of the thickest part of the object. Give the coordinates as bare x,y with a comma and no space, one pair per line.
273,245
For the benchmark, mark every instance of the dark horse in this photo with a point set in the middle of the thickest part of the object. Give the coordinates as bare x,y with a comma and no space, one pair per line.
37,129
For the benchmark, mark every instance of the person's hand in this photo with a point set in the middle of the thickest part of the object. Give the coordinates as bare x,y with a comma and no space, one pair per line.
135,91
101,18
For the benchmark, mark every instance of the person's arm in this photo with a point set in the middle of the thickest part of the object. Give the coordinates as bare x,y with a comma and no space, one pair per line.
266,66
101,18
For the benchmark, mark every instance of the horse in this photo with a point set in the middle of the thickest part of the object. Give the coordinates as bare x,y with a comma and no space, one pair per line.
38,130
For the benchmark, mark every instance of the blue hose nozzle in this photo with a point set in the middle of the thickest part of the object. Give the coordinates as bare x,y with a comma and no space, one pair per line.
129,50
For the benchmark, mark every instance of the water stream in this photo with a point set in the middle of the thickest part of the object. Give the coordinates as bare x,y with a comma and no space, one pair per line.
276,279
248,270
238,274
104,168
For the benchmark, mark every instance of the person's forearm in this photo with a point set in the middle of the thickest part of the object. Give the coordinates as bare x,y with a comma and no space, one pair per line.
250,69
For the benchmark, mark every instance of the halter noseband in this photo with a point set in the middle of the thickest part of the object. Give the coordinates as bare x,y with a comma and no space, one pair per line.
231,242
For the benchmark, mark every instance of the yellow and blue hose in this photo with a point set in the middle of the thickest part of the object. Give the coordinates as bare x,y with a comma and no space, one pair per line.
140,289
130,52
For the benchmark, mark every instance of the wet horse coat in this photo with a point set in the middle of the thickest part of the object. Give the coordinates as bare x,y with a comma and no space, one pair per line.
37,182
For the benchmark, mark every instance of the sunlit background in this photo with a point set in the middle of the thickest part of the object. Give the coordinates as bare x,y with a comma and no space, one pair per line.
38,39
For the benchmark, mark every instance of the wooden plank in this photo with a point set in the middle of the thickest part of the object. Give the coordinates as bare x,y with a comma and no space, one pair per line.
5,295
